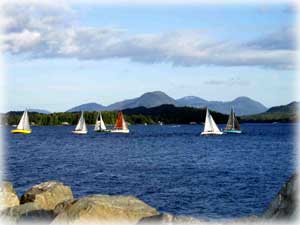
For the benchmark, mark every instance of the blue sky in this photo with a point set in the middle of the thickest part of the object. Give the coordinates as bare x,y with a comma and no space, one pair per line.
58,57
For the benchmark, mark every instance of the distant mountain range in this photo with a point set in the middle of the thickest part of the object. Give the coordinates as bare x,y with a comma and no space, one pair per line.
291,108
88,107
242,105
39,111
283,113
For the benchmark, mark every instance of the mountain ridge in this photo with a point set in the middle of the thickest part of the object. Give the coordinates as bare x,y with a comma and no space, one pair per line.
243,105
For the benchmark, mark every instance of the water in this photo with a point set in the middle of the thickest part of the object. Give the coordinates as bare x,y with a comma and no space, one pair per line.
171,168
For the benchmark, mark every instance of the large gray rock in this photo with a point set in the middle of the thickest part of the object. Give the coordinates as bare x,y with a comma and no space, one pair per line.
8,196
28,212
284,205
105,209
47,195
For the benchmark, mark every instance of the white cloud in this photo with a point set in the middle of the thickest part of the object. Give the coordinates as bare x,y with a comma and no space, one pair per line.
48,30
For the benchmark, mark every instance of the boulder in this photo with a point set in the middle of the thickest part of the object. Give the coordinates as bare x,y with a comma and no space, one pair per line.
27,212
169,219
283,205
105,209
47,195
8,196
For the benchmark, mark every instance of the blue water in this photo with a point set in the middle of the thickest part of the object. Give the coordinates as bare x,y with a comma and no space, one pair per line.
171,168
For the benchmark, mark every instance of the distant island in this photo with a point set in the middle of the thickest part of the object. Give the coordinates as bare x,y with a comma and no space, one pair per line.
167,114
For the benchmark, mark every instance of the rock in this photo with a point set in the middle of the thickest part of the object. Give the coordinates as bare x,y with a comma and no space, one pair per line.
8,196
28,212
168,219
47,195
284,204
63,206
106,210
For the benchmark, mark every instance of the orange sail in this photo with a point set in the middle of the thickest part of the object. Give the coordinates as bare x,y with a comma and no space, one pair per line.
120,121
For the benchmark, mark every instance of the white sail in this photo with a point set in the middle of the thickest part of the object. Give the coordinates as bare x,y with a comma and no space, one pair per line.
81,126
210,126
24,122
100,125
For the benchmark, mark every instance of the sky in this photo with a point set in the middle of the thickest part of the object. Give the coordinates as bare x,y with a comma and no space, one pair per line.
57,56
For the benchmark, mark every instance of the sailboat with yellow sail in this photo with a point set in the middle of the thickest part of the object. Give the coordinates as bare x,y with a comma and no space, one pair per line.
23,126
120,125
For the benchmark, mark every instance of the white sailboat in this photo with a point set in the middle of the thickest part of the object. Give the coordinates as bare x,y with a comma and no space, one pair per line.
81,126
100,125
23,126
120,126
210,127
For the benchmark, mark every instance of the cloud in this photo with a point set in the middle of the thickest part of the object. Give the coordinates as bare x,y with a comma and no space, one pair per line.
42,30
284,39
229,82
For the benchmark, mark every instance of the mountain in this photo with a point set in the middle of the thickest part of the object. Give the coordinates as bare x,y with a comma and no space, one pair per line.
88,107
191,101
42,111
282,113
148,100
291,108
241,105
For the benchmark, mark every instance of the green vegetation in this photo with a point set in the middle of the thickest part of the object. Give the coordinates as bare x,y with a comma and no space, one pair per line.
283,113
270,117
168,114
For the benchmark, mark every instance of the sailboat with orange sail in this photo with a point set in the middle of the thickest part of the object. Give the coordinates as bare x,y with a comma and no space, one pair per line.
120,125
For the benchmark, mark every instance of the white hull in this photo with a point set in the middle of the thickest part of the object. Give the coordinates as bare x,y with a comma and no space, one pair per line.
211,133
79,132
125,131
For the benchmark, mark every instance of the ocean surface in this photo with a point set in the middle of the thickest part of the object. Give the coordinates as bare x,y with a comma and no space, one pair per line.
170,167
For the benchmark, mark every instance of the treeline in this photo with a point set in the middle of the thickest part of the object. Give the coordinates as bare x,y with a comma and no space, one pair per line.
271,117
168,114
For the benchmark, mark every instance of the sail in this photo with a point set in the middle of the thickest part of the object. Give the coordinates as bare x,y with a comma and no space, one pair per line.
24,122
81,124
232,123
236,124
120,123
102,124
210,125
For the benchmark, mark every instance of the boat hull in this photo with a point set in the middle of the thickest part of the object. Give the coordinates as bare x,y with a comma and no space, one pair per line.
16,131
79,132
102,131
233,131
120,131
211,133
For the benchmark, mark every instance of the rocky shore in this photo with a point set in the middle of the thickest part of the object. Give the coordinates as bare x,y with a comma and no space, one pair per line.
53,203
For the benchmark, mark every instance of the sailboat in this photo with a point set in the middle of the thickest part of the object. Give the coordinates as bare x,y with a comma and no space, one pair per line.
233,125
100,125
23,126
120,126
210,127
81,126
